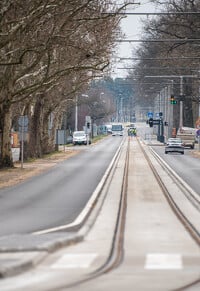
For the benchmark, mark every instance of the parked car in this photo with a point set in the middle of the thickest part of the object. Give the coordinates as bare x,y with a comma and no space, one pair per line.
174,145
80,137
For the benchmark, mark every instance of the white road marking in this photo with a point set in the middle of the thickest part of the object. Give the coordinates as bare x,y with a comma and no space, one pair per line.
163,261
71,261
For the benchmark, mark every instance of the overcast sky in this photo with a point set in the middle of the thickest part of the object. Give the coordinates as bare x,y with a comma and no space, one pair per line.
132,28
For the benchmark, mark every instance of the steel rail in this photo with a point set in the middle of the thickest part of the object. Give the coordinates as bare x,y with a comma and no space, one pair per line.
177,211
189,194
88,209
187,191
115,256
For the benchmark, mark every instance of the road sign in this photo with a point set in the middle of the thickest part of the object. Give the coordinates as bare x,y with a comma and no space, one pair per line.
150,114
24,129
88,118
156,121
23,120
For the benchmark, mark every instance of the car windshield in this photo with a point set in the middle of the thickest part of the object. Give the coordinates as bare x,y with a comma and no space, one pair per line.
174,140
79,133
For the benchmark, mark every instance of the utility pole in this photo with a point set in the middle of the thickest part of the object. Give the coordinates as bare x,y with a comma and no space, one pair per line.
171,117
76,113
181,103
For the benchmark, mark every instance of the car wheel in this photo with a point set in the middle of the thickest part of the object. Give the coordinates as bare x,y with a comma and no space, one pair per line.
166,152
182,153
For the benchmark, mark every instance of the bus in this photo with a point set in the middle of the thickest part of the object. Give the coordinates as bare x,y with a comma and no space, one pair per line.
117,129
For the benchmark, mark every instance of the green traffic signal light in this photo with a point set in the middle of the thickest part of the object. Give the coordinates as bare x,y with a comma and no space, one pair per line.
172,100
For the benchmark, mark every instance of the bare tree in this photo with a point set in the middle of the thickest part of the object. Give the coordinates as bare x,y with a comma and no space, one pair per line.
43,42
166,57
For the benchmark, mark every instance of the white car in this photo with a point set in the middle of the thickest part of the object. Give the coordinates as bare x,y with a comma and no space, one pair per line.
80,137
174,145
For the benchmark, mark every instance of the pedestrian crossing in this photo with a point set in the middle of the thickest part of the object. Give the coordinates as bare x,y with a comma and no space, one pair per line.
153,261
74,261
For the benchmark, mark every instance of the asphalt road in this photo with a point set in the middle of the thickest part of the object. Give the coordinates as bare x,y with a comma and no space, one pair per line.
158,252
186,166
56,197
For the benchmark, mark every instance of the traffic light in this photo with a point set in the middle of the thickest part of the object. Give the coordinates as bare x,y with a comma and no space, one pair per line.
151,122
88,124
172,100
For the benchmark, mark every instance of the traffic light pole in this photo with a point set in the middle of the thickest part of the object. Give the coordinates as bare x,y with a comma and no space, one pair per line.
181,90
181,103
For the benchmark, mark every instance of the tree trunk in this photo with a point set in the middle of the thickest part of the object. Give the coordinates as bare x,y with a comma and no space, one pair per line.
6,159
35,147
48,139
47,146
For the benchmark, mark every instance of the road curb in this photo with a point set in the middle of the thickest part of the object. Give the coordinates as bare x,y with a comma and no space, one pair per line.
35,247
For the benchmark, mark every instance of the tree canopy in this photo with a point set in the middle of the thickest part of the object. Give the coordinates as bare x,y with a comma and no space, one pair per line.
49,50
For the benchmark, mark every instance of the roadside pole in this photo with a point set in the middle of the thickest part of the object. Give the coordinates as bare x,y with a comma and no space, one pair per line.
22,143
88,127
23,127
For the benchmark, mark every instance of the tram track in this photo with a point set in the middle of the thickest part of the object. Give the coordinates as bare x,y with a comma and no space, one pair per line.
115,255
189,196
115,258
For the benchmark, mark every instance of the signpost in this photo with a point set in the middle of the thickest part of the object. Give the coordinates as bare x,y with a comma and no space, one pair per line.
88,126
156,121
23,127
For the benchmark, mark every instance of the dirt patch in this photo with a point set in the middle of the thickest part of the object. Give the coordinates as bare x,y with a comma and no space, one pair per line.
16,175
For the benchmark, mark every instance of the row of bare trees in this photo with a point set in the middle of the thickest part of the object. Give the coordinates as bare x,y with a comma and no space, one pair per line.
49,52
170,47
